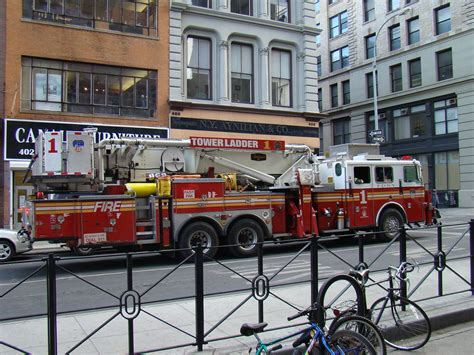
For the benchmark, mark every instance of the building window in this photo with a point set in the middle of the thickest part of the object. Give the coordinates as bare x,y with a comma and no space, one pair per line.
50,85
280,10
334,95
369,10
342,132
444,62
370,46
346,92
318,65
202,3
318,37
446,168
414,68
393,5
409,122
242,73
340,58
281,78
413,26
443,19
396,77
369,80
198,73
445,116
320,99
317,6
139,17
243,7
338,24
394,33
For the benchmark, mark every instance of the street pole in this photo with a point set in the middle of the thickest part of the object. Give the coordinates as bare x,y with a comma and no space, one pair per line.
374,66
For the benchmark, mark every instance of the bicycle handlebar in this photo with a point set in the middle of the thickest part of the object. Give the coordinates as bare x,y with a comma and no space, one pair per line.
404,268
304,312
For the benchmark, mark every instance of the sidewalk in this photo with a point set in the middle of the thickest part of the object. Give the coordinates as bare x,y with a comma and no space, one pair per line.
150,333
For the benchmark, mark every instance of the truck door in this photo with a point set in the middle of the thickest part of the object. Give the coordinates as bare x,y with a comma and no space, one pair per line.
360,202
413,192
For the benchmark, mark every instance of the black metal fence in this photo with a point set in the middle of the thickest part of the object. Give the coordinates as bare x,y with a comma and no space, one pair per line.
131,301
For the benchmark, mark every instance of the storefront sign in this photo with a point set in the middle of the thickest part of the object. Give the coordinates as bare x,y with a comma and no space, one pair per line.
243,127
20,135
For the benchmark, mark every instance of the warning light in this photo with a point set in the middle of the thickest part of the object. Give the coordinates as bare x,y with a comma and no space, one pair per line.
406,157
40,195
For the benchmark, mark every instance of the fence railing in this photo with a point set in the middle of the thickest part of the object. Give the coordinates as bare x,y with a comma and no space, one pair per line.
260,286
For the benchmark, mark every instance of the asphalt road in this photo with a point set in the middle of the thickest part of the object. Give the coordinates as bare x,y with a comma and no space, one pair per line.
99,281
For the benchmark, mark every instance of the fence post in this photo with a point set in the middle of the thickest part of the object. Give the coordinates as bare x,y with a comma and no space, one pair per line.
199,276
471,247
131,344
52,306
403,258
361,238
260,272
440,267
314,269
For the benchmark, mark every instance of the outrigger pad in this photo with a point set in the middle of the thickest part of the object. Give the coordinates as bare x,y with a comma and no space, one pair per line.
250,329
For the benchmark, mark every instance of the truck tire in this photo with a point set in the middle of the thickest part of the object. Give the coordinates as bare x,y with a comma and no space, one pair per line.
390,223
7,250
243,238
84,251
195,233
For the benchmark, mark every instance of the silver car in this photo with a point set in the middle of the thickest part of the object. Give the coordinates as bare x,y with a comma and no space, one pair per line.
13,243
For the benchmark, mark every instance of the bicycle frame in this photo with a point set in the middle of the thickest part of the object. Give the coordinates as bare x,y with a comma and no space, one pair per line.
263,348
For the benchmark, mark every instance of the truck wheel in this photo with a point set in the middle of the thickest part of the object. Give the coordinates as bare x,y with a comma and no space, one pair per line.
7,250
198,233
84,251
243,238
390,224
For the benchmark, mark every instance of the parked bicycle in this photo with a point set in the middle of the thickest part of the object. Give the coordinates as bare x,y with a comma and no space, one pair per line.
312,339
403,323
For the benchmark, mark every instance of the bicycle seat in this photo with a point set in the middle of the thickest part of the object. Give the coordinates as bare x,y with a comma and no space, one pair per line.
362,275
250,329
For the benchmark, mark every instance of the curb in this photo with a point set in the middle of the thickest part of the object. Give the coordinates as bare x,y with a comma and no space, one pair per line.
446,320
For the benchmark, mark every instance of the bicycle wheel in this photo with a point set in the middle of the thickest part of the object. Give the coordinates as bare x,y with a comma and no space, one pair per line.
403,323
350,343
362,326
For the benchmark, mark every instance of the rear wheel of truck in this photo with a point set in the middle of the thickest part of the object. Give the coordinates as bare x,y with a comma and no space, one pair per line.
390,224
198,233
243,238
84,251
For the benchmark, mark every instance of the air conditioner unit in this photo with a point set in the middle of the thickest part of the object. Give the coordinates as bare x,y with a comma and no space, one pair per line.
382,116
404,111
452,102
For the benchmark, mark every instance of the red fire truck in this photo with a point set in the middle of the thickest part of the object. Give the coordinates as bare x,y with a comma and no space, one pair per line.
177,193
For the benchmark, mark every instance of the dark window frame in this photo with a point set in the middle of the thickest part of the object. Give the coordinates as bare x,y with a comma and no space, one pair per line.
252,75
250,7
333,88
202,3
396,78
369,50
318,65
346,92
199,69
277,17
390,5
320,99
290,80
336,27
445,123
369,83
343,60
440,69
440,24
395,39
413,36
71,99
369,10
414,76
344,136
141,24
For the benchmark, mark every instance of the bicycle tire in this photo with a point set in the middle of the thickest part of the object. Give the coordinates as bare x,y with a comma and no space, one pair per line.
362,326
350,343
408,329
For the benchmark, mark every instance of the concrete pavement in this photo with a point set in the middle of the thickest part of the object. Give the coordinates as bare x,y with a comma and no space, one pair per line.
151,330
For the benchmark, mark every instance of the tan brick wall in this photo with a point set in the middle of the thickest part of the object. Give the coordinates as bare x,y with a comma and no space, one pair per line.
46,40
3,191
